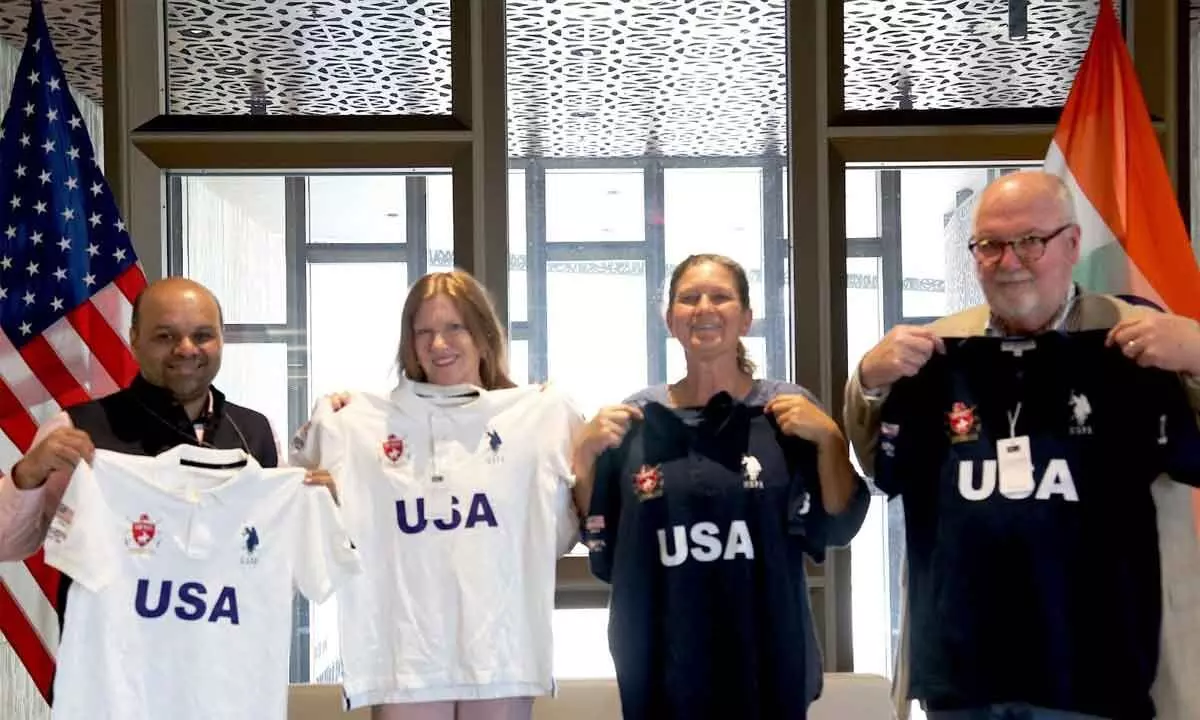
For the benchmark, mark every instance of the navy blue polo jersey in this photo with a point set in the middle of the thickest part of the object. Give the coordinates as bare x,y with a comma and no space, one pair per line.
701,521
1050,595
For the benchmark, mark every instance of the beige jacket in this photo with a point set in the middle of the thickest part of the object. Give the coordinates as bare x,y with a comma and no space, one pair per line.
1176,691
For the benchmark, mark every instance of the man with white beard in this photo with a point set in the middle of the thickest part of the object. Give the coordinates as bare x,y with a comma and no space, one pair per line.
1026,243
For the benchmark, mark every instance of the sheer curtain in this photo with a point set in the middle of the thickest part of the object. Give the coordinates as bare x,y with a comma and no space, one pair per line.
19,699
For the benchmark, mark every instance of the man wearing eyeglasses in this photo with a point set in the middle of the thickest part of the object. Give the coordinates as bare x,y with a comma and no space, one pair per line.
1026,244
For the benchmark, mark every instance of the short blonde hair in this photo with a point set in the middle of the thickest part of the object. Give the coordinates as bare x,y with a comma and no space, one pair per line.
478,311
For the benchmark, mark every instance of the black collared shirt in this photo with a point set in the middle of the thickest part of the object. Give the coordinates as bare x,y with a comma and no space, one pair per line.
144,419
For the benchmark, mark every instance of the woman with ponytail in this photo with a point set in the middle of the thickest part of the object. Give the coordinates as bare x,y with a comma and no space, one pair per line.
706,495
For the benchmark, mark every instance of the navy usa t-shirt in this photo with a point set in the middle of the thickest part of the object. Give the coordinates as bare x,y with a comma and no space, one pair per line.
1052,596
701,527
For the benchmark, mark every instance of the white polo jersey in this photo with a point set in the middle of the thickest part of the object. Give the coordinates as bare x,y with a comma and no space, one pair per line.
184,566
460,508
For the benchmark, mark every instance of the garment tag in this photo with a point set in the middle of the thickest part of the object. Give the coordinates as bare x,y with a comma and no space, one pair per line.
1018,347
1015,465
437,500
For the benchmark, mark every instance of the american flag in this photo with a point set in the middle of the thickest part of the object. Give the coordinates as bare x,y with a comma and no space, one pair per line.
68,276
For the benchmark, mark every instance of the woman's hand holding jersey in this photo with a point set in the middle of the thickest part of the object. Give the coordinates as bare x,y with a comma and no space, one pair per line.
800,417
606,430
324,479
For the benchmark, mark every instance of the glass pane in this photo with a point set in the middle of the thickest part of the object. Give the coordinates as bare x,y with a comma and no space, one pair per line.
864,306
717,210
595,206
581,644
862,203
923,54
518,361
518,275
256,375
518,289
349,348
369,57
324,649
439,210
592,305
356,209
872,600
233,243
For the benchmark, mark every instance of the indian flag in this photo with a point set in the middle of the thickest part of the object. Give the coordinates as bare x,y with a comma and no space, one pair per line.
1133,236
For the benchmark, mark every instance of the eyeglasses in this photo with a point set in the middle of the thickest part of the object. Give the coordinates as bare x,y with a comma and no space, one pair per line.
1029,248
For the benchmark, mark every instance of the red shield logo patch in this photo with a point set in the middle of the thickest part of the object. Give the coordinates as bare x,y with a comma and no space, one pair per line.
393,448
143,530
963,424
647,482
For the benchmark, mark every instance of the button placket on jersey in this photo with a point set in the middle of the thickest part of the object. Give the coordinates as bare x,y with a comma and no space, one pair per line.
441,446
197,536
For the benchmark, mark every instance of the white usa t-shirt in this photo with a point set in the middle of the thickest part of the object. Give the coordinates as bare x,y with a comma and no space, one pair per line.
184,566
460,508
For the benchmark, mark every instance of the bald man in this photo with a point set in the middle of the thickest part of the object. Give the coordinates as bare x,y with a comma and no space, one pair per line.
177,340
1026,244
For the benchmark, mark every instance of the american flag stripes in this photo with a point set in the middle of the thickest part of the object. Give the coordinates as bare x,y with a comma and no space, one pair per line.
68,276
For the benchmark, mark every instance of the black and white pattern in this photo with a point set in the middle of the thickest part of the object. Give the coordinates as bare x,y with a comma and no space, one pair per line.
74,30
651,77
950,54
306,57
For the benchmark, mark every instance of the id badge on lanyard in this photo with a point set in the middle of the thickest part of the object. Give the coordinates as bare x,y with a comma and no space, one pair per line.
1014,461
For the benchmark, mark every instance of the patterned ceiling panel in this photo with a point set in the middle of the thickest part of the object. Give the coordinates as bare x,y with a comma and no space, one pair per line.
669,77
74,28
943,54
306,57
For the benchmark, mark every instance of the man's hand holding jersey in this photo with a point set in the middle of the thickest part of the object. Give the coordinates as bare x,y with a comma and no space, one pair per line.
900,354
1161,340
57,454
